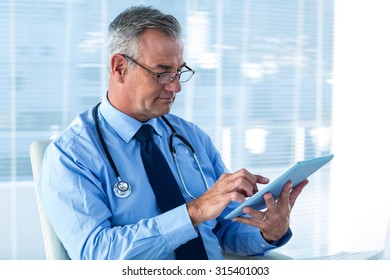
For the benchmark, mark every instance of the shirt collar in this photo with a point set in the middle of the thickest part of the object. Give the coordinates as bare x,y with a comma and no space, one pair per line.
124,125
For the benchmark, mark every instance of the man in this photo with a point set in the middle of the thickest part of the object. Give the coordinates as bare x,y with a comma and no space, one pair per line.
98,218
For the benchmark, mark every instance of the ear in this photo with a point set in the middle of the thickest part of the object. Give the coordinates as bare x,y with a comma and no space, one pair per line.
118,67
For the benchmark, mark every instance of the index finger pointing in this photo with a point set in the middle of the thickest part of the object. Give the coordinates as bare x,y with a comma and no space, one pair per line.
262,179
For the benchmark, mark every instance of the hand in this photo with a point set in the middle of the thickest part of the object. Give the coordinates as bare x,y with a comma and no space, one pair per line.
274,222
228,188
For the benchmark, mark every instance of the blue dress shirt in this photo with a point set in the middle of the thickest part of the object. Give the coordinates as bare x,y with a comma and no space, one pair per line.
76,190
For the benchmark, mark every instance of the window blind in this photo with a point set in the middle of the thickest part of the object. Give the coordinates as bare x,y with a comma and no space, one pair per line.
262,90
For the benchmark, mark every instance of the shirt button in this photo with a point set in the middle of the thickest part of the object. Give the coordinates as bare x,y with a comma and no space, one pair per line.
263,245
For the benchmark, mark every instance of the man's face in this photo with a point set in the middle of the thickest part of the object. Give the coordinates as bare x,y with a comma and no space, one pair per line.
144,97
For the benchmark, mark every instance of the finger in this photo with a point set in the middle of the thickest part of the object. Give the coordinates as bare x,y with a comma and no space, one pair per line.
248,221
259,215
296,192
241,220
232,187
244,187
285,194
255,189
227,183
262,179
251,178
243,182
236,196
270,202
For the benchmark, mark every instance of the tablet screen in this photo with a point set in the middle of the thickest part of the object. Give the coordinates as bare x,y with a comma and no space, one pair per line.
296,173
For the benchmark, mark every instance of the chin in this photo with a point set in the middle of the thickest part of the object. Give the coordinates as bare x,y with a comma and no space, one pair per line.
166,109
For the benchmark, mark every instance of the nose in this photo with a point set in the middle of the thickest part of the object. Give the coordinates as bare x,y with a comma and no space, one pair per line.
174,86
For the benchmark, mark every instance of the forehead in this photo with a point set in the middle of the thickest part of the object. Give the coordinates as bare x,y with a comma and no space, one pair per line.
156,48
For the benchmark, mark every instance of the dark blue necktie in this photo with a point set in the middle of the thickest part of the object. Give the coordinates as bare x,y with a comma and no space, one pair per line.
166,190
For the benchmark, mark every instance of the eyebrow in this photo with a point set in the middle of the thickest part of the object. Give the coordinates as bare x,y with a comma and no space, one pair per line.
167,67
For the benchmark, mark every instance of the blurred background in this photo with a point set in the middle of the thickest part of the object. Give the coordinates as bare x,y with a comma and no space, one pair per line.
276,82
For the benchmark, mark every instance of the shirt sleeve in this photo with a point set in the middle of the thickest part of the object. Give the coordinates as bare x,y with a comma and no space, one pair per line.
71,192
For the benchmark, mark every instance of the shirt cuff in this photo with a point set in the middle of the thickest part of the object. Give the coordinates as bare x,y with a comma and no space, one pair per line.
176,227
266,247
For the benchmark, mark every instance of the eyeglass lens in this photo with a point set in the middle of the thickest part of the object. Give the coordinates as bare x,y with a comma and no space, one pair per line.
166,78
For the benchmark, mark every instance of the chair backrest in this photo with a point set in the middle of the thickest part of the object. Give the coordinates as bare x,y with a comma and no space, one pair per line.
53,246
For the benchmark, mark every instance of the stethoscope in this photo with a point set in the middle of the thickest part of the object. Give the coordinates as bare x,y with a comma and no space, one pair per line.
122,188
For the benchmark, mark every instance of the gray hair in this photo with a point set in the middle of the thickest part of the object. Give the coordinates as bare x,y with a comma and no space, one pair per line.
126,29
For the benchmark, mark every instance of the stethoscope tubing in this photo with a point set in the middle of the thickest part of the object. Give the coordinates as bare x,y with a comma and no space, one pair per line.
122,188
95,118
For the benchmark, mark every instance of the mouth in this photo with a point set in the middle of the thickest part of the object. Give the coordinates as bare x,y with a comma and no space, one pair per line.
168,99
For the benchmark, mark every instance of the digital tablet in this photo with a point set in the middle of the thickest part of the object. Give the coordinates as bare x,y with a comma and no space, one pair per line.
296,173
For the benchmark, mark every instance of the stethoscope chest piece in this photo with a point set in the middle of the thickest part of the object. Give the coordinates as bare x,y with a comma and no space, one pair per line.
122,189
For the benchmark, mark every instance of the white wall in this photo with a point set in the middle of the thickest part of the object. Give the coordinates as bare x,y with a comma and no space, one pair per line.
360,204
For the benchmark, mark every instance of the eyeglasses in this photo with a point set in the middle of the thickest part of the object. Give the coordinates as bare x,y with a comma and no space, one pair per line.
166,77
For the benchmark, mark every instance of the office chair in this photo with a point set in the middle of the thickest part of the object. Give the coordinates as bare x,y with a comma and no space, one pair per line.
53,246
